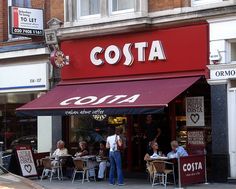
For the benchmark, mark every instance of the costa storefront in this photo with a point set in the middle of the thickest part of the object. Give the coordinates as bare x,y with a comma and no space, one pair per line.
116,80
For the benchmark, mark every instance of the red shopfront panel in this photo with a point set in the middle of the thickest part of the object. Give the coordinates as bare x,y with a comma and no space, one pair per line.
185,49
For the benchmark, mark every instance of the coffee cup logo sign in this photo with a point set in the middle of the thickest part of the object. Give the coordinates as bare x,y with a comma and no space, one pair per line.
113,53
195,111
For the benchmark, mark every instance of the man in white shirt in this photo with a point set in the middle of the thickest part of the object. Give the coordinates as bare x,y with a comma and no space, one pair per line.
60,151
113,143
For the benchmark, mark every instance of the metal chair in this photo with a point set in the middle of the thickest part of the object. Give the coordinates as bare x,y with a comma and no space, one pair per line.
49,167
161,172
80,167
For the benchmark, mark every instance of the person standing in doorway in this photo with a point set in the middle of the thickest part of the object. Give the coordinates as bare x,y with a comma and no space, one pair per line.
152,132
113,143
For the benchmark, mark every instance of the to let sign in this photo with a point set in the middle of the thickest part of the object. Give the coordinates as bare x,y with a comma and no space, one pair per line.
192,169
195,111
26,161
26,21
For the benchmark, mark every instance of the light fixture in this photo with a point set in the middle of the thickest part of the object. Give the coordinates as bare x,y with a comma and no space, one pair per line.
99,117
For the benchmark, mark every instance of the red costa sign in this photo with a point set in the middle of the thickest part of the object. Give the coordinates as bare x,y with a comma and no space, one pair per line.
192,169
172,50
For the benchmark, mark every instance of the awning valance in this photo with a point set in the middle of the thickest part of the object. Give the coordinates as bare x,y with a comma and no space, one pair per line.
129,97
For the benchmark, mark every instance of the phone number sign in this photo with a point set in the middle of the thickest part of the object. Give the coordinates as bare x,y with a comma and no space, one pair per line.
26,21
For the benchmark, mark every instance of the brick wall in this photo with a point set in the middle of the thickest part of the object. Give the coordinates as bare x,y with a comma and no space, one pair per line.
158,5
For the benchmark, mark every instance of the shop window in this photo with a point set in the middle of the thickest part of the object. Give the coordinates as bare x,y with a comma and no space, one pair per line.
16,130
204,2
233,51
88,8
122,6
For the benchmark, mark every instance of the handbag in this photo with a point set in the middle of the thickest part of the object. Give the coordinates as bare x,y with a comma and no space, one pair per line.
119,147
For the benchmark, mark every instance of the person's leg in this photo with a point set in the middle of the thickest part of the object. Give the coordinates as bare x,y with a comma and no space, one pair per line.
102,168
119,167
112,168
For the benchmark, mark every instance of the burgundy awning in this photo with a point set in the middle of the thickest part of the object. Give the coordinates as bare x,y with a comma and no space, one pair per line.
130,97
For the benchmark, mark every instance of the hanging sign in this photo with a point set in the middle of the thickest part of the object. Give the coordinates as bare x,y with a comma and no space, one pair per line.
195,111
26,161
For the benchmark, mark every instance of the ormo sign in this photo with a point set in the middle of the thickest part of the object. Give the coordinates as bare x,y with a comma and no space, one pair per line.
112,54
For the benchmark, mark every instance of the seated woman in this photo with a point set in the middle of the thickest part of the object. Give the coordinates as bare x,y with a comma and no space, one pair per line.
177,151
152,153
102,159
83,149
84,152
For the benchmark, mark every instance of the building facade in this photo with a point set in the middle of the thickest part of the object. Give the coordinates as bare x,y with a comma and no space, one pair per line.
109,17
109,42
25,72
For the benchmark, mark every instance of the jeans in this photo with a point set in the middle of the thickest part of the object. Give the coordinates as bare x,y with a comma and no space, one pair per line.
115,161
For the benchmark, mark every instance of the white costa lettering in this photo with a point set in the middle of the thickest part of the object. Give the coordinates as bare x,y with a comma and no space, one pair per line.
93,56
141,50
156,51
69,101
86,100
129,58
191,167
113,53
94,100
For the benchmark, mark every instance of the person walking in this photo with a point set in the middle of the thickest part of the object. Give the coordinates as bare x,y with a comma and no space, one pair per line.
114,142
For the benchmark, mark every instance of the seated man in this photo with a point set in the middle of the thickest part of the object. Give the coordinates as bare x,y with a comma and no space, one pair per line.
61,150
177,151
102,159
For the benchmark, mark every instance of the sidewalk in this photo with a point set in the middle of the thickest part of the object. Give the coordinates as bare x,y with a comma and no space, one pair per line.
129,184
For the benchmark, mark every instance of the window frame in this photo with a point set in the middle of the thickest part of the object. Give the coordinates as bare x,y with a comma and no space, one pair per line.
204,2
230,51
111,12
80,17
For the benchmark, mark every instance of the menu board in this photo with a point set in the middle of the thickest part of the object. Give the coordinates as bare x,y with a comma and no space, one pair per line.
26,161
196,138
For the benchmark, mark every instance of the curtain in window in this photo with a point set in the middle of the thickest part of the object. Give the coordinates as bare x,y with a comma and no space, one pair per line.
89,7
118,5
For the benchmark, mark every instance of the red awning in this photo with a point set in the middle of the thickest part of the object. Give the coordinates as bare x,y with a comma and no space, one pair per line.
110,98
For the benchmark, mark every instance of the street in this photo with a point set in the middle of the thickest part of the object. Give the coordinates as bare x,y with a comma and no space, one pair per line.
129,184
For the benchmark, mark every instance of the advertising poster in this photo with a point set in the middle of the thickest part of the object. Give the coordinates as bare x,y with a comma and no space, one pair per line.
195,111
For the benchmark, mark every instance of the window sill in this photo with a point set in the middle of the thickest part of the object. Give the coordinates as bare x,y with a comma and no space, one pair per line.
203,2
101,20
18,39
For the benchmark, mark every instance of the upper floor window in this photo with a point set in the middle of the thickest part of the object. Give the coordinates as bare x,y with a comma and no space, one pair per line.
122,5
21,3
204,2
88,7
233,51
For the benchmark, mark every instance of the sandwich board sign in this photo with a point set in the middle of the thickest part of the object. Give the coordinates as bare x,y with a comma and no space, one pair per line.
26,161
